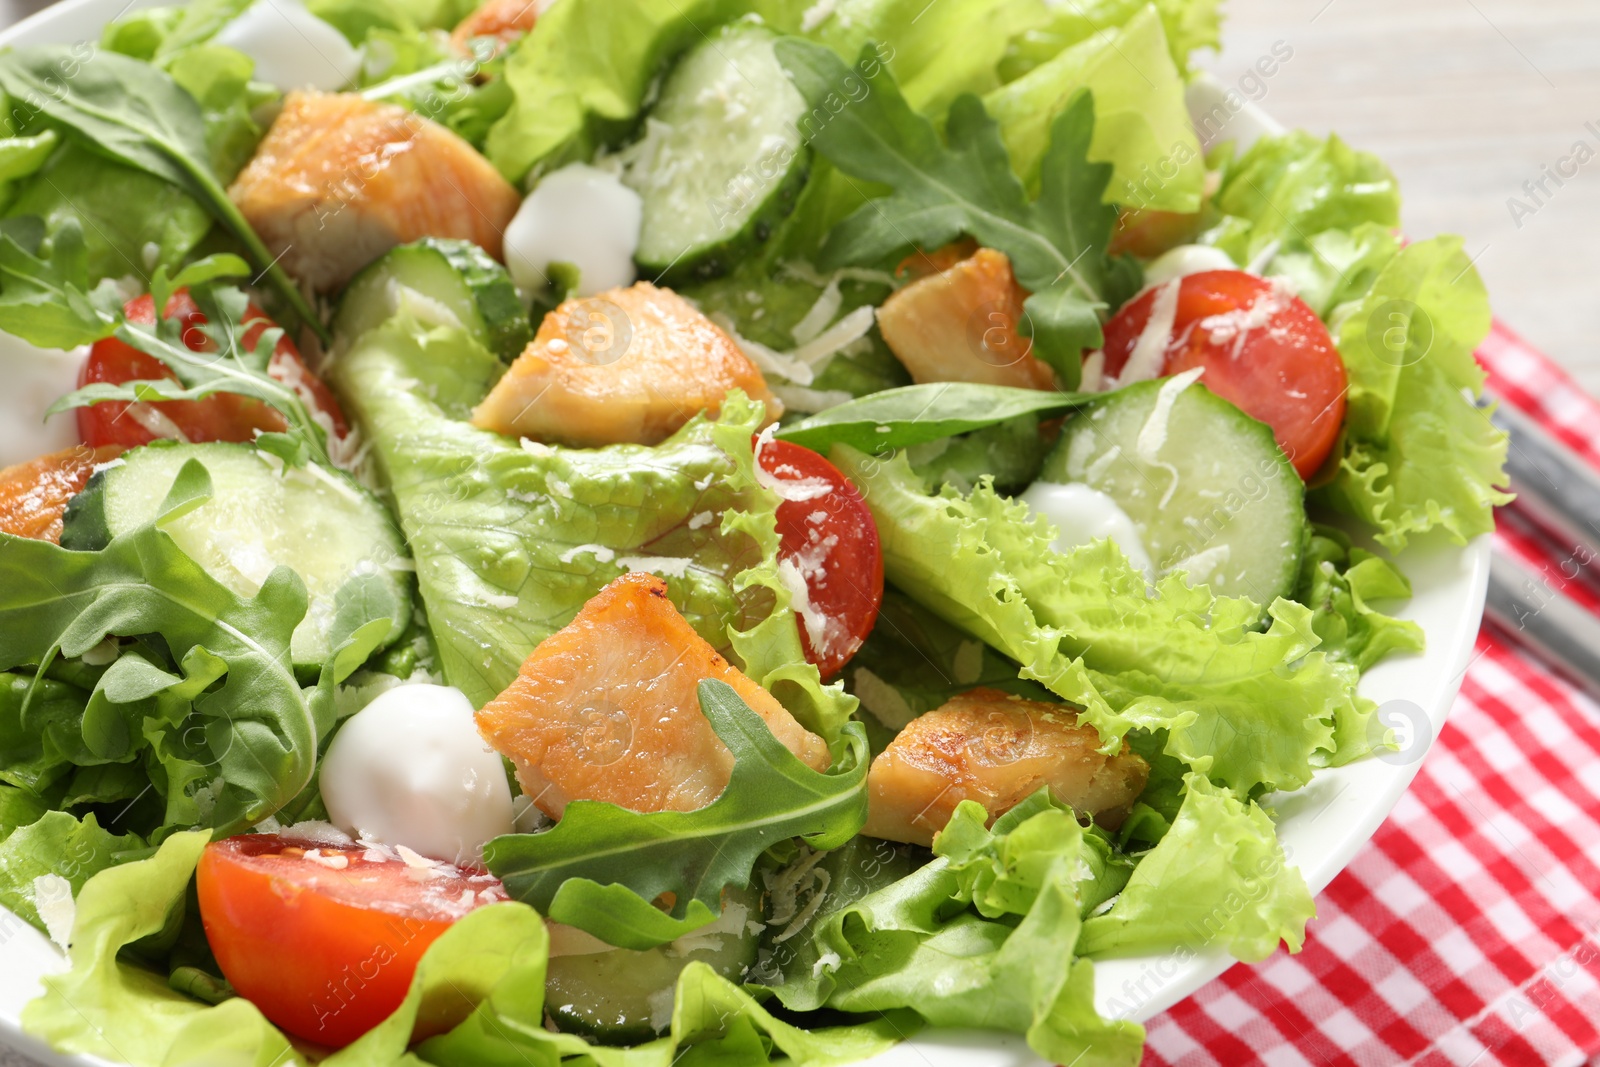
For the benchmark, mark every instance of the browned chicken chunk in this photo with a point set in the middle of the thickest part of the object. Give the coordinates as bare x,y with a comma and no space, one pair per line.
505,20
34,495
960,325
607,709
339,180
996,749
628,365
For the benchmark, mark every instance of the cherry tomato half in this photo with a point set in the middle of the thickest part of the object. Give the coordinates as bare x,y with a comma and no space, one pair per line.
325,939
830,538
221,417
1262,349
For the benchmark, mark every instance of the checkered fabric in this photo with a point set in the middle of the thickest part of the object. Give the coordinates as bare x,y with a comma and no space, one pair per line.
1468,930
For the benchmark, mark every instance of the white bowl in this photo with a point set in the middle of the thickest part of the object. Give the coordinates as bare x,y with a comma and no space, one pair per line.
1321,826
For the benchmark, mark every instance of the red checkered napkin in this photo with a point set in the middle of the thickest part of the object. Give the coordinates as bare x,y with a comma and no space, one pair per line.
1468,930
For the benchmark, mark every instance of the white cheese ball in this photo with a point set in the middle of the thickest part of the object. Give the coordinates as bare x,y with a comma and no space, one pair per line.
411,769
579,215
292,48
35,378
1082,514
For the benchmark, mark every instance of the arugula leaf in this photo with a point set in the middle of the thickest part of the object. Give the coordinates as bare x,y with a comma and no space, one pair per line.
916,414
227,732
44,300
1057,243
136,113
228,368
596,847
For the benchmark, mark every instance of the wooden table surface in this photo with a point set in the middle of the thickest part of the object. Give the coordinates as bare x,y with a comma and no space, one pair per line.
1467,100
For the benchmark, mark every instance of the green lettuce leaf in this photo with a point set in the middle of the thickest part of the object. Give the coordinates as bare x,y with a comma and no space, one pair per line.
1249,708
1339,582
597,848
487,970
1189,25
209,704
511,540
946,941
1142,127
1218,878
56,844
1294,186
1417,453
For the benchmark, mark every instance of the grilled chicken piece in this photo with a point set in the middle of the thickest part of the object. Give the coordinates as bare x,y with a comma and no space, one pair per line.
628,365
607,709
504,19
34,495
960,325
339,180
996,749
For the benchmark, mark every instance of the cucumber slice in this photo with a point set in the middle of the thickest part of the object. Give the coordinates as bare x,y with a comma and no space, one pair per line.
721,160
319,522
1211,493
451,282
622,997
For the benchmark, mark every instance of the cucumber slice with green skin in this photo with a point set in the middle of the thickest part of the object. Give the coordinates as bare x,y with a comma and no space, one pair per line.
316,521
446,281
1206,485
722,159
619,997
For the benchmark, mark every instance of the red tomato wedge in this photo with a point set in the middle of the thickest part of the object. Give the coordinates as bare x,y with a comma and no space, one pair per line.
325,939
221,417
1262,349
829,538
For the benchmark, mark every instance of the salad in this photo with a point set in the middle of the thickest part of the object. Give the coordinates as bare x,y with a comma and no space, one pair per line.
713,531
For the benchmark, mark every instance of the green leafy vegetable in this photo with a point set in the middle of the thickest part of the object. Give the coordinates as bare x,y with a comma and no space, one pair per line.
916,414
489,520
22,156
1057,243
1189,25
914,661
1417,454
226,367
491,963
40,738
1339,582
56,844
131,221
137,114
44,294
225,731
771,797
1247,707
1292,187
1219,877
1141,126
947,941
